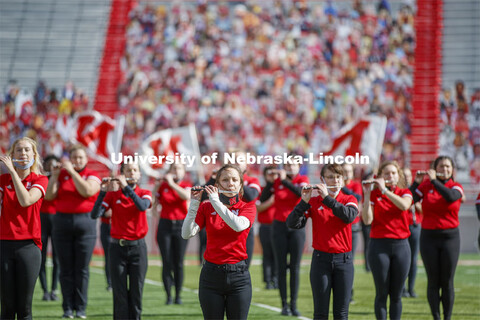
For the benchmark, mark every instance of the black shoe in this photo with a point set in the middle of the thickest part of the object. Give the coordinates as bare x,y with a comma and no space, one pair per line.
178,300
286,310
53,296
81,315
269,285
46,296
109,289
169,300
68,314
405,294
412,294
295,312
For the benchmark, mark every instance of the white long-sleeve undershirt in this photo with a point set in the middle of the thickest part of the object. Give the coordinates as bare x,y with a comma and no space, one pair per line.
190,228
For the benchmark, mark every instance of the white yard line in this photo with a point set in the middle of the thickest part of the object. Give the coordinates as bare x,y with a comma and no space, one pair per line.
160,284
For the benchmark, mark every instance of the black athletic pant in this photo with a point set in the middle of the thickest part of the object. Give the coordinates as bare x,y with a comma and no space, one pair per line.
19,267
250,245
288,241
172,248
414,241
225,289
202,245
440,250
366,242
105,239
74,236
389,260
331,272
128,270
47,228
268,262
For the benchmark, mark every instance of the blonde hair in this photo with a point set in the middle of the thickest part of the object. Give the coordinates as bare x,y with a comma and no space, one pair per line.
401,181
37,164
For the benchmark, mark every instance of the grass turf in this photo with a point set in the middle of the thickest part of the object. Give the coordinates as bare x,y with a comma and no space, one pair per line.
467,295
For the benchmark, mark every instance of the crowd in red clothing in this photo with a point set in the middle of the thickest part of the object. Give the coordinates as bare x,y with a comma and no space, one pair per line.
265,78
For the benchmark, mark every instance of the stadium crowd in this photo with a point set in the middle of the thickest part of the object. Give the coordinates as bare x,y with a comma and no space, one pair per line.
285,77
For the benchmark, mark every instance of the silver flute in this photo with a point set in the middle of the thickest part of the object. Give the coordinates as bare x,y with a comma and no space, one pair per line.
315,187
219,191
438,174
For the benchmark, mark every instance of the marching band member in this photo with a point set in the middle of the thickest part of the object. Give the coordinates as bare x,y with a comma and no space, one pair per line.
287,190
47,213
354,188
225,285
415,217
266,211
75,188
251,191
172,194
386,209
21,193
440,238
332,213
128,250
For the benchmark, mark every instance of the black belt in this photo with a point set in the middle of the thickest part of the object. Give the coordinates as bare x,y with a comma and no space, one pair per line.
123,242
239,266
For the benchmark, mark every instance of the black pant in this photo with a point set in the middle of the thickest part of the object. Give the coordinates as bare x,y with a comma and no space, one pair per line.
440,250
331,272
19,267
366,242
202,244
288,241
414,241
128,269
47,228
74,236
390,261
250,245
268,261
105,239
225,289
172,248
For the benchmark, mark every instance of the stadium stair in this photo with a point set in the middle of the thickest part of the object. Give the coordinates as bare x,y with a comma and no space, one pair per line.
425,118
110,73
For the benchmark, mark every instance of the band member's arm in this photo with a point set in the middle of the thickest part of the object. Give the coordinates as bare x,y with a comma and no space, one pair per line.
190,227
297,219
451,195
292,187
237,223
98,210
142,204
367,212
266,192
25,197
86,188
413,190
250,193
350,192
347,213
262,206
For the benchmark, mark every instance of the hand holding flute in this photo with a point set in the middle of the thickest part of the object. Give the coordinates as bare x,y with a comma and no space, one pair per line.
432,175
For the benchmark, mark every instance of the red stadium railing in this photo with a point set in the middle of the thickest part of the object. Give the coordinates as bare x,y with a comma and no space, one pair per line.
427,84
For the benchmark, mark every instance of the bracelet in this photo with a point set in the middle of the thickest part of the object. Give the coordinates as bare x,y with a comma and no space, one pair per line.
384,190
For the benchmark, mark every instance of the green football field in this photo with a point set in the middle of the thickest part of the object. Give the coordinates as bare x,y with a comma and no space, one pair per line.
266,303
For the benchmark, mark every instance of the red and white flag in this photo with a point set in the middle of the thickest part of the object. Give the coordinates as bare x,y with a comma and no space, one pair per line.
100,134
364,137
171,142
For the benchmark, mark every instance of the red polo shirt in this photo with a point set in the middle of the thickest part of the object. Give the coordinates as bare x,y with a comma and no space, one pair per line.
17,222
437,212
225,245
127,221
330,233
388,220
69,199
285,199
